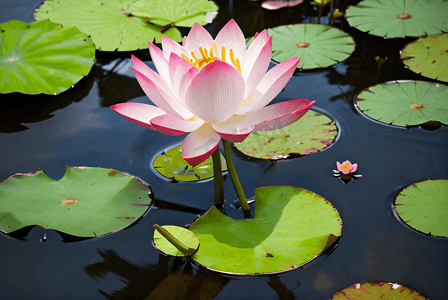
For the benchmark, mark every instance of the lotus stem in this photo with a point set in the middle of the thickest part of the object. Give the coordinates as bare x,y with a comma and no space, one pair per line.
218,179
319,13
378,73
331,13
175,242
236,182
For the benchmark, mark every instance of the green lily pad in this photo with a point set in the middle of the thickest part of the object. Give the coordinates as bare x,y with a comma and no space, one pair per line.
291,227
183,13
86,202
378,290
318,46
310,134
42,57
106,22
405,103
424,206
399,18
171,165
185,236
428,56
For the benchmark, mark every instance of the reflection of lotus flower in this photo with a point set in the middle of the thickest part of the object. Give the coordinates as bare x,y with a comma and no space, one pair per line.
346,167
214,89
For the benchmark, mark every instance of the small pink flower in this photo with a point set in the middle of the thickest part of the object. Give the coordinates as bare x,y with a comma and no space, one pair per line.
346,167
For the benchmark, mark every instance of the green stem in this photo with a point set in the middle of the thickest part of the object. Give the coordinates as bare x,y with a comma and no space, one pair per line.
236,182
175,242
319,13
378,74
218,179
331,13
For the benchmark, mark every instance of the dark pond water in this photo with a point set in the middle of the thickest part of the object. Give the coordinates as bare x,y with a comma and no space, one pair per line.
78,128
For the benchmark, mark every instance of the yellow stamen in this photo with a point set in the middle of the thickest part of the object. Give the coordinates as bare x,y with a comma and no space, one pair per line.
238,66
209,56
193,55
213,49
346,166
202,53
223,53
235,63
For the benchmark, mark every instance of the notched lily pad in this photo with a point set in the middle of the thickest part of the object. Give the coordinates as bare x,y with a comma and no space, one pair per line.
109,25
171,165
310,134
378,290
185,236
399,18
405,103
42,57
86,202
183,13
318,46
424,206
291,227
428,56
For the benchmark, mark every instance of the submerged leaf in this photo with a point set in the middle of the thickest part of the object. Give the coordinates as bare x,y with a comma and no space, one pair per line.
42,57
291,227
86,202
428,56
424,206
399,18
405,103
173,166
310,134
378,290
318,46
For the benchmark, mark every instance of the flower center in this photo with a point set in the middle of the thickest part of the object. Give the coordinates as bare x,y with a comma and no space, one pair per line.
403,16
208,56
303,45
346,166
414,106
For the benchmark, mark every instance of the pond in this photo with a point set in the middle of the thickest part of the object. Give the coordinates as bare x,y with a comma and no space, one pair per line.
77,128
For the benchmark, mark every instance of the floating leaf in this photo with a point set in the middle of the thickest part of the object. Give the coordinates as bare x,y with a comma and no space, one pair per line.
86,202
428,56
42,57
183,235
310,134
182,13
291,227
106,22
399,18
405,103
424,206
318,46
378,290
172,165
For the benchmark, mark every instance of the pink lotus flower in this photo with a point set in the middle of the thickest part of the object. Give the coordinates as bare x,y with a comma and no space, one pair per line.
213,89
346,167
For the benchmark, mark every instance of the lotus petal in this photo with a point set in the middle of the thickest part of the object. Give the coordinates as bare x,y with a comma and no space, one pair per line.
200,144
138,113
281,114
215,93
171,126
